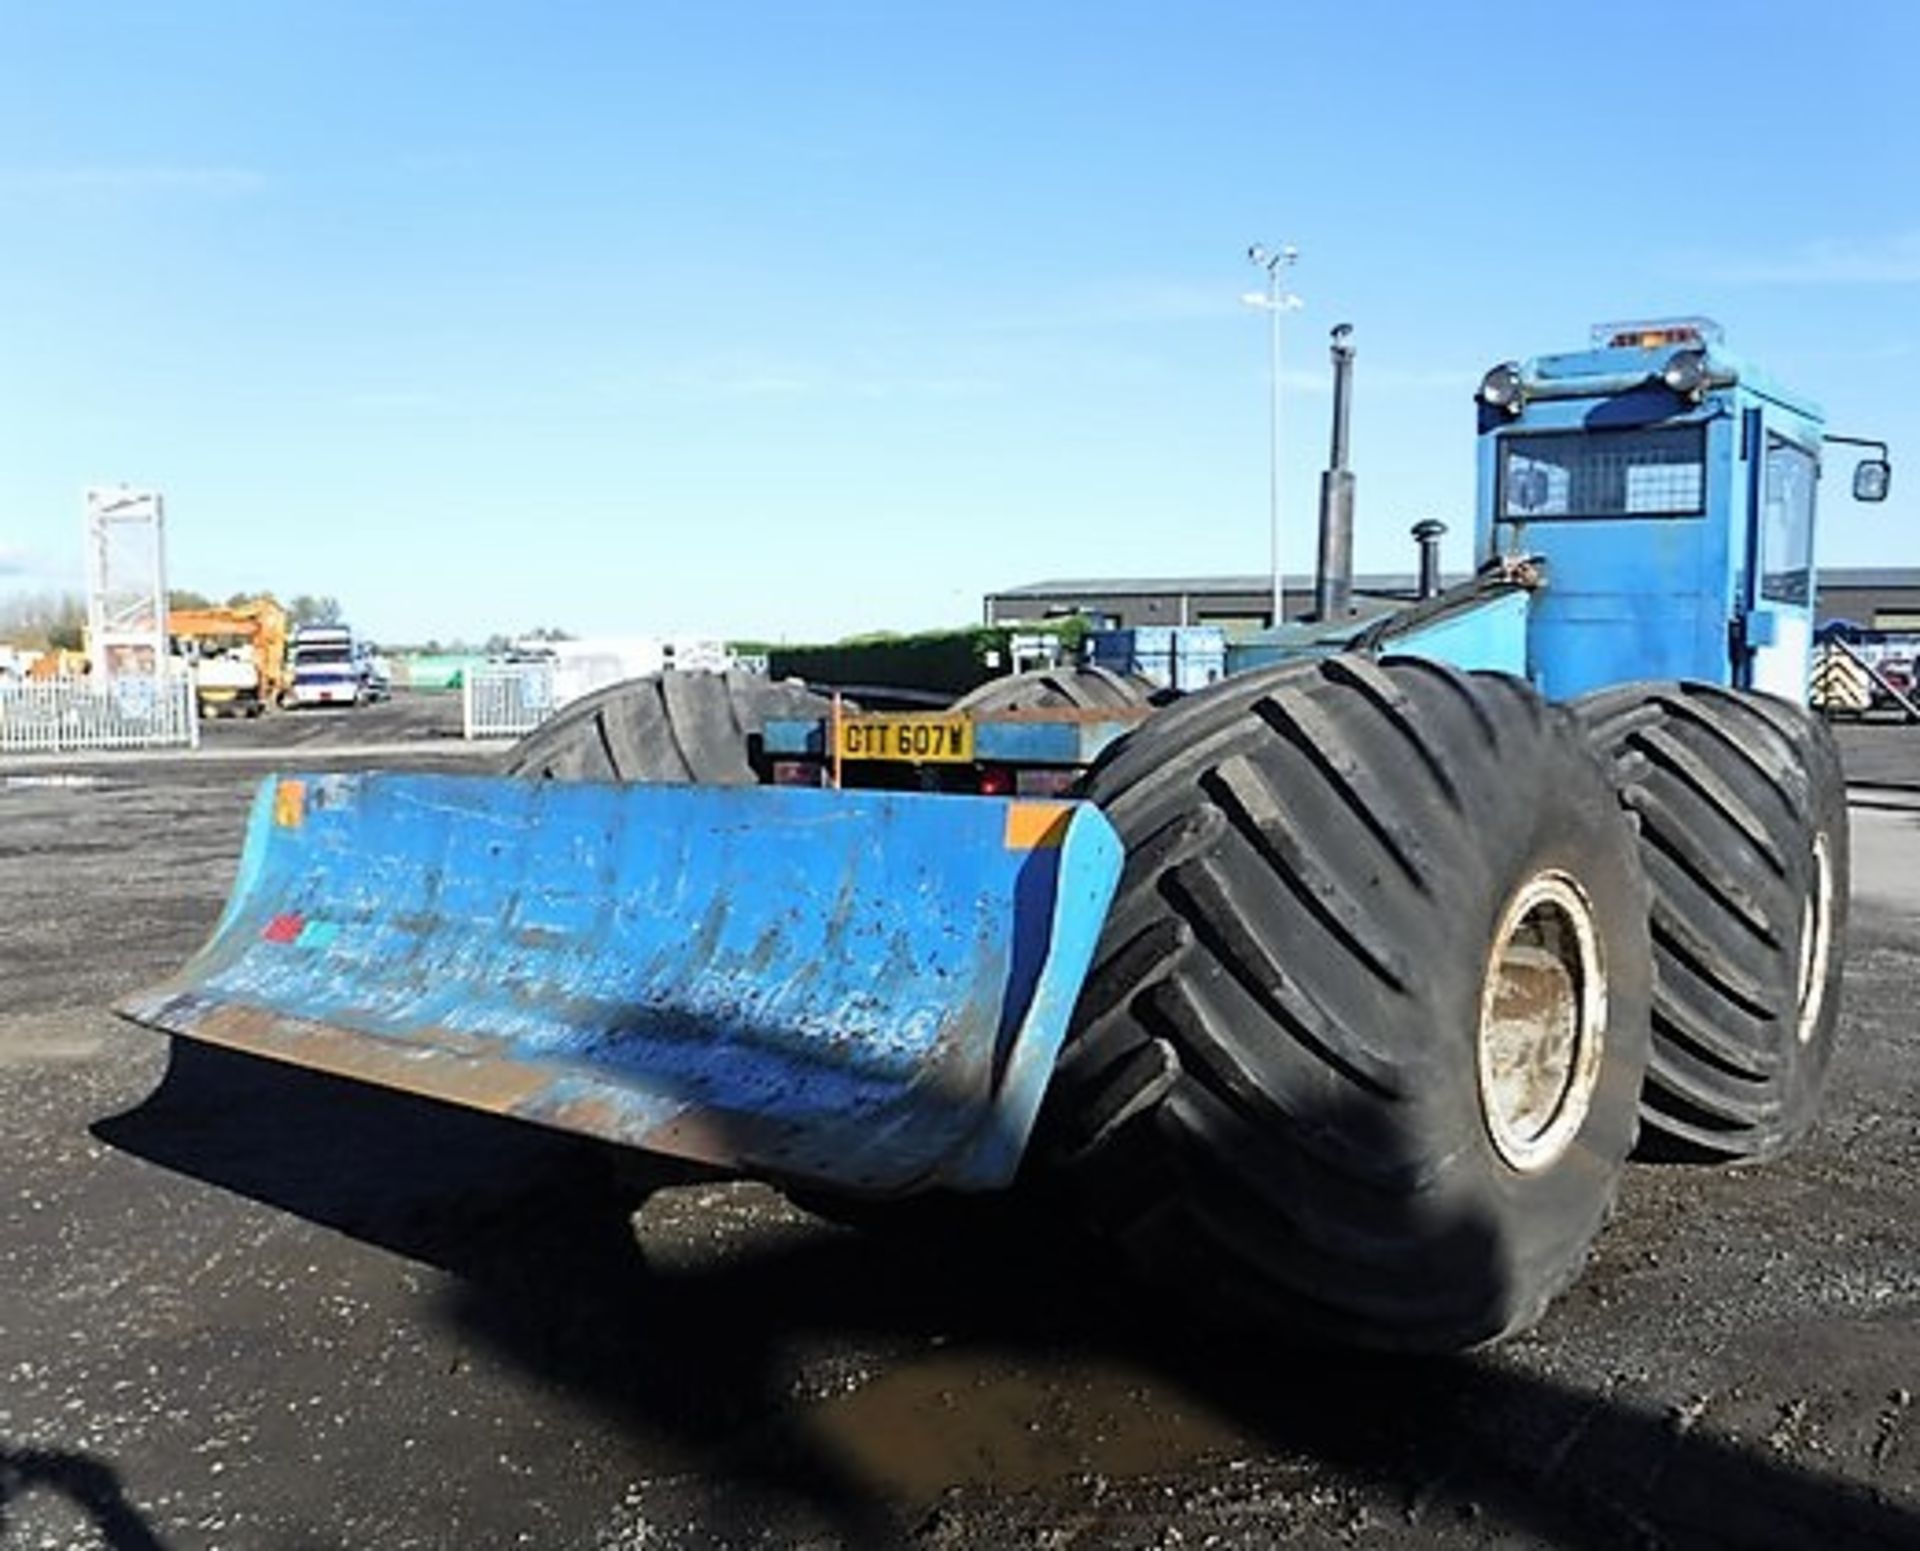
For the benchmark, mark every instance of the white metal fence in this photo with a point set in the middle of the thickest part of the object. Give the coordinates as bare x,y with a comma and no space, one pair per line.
73,715
506,699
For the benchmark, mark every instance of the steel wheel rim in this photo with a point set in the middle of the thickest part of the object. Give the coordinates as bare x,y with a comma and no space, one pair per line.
1816,940
1543,1004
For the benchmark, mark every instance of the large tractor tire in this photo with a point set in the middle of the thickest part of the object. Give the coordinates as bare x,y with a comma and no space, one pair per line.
680,728
1362,1043
1742,811
1082,689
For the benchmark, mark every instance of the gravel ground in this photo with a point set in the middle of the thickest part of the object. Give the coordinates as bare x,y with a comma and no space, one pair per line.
246,1306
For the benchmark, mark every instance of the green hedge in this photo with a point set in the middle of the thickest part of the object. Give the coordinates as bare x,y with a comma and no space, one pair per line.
946,661
432,670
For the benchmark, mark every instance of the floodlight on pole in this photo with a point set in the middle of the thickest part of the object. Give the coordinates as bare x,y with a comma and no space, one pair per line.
1274,301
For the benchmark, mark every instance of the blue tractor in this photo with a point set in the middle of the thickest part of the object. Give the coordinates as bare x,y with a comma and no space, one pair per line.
1335,994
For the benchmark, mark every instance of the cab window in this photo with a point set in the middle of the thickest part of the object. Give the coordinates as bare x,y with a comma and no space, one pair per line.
1656,471
1786,522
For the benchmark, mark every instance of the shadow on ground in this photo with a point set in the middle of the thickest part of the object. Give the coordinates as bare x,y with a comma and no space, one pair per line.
89,1484
534,1228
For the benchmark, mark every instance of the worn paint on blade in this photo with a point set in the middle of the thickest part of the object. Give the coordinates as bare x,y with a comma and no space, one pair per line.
696,1135
290,803
496,1083
1032,826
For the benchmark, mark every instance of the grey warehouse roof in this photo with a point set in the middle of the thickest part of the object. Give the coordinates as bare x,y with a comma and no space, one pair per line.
1870,576
1144,586
1131,586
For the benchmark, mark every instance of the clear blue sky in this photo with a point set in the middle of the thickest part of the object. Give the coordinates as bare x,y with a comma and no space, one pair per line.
798,319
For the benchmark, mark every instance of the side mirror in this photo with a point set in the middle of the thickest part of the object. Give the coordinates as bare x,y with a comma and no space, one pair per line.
1872,477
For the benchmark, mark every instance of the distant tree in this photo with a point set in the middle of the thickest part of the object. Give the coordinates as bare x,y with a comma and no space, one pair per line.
308,609
497,644
239,598
187,598
550,633
46,619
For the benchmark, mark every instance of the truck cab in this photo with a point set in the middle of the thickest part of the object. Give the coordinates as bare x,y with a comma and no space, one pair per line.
328,666
1668,490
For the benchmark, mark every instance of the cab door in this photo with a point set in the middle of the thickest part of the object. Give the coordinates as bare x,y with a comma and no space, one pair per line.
1784,454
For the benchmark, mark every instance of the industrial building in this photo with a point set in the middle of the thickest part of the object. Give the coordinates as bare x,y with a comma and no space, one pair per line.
1876,597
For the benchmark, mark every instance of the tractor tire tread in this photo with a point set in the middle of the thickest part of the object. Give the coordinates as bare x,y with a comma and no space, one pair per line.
1729,789
676,728
1078,688
1254,1096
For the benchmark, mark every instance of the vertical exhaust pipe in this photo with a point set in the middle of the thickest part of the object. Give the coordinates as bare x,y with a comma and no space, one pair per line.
1427,534
1333,583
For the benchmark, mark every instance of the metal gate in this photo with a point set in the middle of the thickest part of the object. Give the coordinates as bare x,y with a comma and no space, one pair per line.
506,699
76,715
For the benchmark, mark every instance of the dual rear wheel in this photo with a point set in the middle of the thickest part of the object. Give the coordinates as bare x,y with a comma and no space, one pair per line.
1404,960
1361,1049
1741,817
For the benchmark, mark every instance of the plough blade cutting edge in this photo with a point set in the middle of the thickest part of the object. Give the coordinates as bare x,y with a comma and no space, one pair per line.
861,990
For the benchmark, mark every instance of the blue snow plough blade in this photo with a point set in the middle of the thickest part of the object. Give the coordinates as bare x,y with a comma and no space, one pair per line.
863,990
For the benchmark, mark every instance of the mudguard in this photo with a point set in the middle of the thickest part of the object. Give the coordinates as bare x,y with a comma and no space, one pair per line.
861,990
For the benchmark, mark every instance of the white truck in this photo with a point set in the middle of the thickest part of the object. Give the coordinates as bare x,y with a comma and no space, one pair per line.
331,666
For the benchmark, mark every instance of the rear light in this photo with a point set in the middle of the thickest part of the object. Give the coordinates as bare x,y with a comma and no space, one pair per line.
996,781
797,772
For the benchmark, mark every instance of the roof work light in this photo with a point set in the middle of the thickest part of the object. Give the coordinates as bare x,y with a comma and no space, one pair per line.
1502,388
1686,373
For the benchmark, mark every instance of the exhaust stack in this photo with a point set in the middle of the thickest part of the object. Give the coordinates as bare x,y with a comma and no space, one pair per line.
1427,534
1333,583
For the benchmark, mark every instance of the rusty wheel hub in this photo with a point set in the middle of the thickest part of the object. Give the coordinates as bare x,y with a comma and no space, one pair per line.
1542,1018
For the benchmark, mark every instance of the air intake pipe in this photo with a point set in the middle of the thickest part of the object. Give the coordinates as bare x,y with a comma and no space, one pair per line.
1427,533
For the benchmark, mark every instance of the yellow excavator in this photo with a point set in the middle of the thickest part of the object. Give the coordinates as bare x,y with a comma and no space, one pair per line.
57,662
240,652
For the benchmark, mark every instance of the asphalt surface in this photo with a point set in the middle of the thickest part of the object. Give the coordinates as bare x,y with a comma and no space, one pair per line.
245,1306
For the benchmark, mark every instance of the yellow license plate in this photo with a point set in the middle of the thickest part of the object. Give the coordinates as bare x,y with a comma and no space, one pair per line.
926,740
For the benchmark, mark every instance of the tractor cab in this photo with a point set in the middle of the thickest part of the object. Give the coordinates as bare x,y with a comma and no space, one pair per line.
1670,490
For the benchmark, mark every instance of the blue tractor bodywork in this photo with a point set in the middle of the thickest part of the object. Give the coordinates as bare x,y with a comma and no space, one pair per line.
1482,627
1668,492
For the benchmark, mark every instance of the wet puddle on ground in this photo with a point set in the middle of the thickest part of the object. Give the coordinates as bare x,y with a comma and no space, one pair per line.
957,1420
51,1039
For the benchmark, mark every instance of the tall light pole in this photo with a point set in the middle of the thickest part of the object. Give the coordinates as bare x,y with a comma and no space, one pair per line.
1274,301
